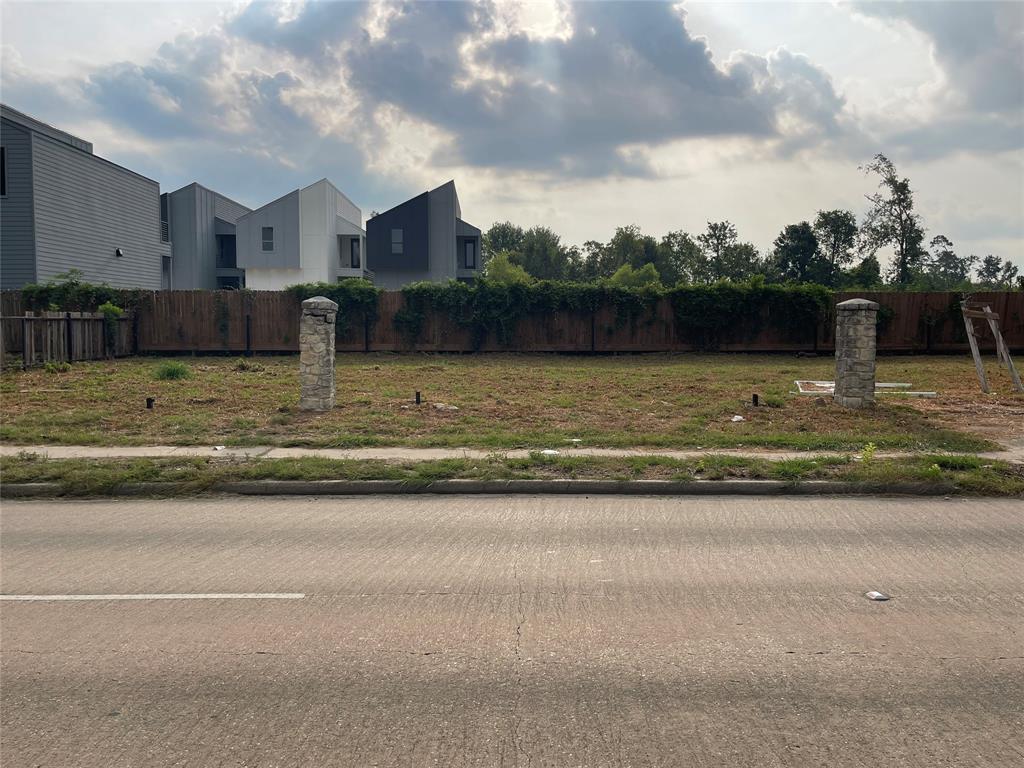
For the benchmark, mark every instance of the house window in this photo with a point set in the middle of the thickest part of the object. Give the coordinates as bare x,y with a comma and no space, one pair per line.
469,252
226,254
396,241
354,253
3,171
268,238
165,229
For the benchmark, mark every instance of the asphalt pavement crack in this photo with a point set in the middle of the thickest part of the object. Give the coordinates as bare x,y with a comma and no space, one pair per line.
517,653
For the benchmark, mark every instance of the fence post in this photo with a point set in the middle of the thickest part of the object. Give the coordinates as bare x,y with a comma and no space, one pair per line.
248,335
69,337
24,342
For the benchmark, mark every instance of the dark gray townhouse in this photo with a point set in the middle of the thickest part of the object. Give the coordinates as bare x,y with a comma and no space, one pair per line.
423,238
64,208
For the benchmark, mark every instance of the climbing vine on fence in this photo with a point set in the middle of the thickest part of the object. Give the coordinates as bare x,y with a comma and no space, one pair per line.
704,314
357,300
495,309
68,293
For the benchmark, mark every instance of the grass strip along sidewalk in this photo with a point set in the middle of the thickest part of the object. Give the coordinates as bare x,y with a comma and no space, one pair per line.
962,474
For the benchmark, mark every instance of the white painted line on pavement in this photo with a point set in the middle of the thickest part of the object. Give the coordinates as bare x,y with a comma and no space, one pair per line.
181,596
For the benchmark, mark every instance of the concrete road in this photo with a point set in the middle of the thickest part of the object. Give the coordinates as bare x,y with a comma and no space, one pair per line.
523,631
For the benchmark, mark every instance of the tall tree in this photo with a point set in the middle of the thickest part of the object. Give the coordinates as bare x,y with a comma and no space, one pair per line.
542,254
689,263
727,258
993,272
502,236
716,241
796,255
836,231
867,274
892,222
630,246
943,269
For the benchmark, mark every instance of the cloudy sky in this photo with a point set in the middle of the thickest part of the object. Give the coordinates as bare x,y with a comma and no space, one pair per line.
580,116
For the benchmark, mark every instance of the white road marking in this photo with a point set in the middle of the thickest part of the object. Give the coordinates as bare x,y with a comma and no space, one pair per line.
179,596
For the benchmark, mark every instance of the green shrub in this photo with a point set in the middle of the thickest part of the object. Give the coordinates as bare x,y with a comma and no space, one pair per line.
56,366
171,370
500,269
67,293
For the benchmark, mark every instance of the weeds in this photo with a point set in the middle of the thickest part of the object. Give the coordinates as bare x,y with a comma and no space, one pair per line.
171,370
56,366
95,477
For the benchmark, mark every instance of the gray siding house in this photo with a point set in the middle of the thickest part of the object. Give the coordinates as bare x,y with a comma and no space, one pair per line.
63,208
310,235
200,225
424,238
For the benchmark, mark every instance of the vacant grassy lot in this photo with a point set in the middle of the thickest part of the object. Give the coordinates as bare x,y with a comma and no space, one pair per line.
506,401
85,477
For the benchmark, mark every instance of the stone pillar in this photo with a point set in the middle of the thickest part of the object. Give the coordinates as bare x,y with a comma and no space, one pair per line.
855,353
316,354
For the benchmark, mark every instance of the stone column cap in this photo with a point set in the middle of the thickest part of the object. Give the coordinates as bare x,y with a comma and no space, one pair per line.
325,304
857,304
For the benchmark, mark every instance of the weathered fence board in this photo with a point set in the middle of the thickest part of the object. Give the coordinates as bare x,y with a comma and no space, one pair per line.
237,322
70,337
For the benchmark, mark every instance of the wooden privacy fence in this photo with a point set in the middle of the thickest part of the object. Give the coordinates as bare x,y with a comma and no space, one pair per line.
240,322
66,337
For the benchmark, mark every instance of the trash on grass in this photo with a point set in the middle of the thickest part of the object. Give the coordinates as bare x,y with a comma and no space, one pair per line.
738,418
549,452
218,447
445,407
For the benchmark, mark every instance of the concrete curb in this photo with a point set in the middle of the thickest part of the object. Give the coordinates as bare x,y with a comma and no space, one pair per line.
500,487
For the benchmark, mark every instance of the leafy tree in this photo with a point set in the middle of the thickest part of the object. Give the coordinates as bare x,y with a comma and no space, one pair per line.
542,254
867,274
891,221
591,263
628,276
689,264
742,262
836,231
943,270
500,269
993,272
716,241
502,236
727,258
630,246
796,255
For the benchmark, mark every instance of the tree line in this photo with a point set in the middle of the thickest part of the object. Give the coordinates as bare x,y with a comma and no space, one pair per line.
832,250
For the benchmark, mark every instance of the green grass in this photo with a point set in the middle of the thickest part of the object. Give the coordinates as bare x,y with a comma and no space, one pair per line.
505,402
171,370
86,477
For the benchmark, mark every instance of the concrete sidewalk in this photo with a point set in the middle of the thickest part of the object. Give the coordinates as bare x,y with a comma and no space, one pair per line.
1013,454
